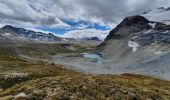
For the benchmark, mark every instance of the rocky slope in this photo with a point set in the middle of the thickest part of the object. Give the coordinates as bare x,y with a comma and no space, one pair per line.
138,45
14,33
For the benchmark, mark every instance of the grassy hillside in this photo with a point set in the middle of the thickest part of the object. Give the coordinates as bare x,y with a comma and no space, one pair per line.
67,85
40,80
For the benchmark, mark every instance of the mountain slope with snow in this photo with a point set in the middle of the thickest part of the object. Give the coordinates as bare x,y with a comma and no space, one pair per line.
27,35
138,45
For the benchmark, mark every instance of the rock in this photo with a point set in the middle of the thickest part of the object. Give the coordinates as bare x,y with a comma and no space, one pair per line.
84,87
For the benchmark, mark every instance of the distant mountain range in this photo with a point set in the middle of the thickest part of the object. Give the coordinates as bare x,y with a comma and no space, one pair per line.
15,33
11,32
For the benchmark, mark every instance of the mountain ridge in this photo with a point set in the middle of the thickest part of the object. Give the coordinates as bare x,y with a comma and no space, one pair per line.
27,35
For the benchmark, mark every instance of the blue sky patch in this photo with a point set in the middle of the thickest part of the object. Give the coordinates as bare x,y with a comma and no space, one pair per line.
75,25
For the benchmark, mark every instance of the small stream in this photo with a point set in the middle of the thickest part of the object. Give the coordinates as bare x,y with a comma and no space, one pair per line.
100,60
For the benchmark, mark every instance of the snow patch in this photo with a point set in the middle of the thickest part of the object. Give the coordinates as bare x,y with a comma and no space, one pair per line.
158,52
165,31
152,24
133,45
134,37
148,31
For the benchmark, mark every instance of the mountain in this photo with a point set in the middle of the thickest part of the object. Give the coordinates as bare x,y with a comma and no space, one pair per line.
89,42
127,27
14,33
93,39
11,32
138,45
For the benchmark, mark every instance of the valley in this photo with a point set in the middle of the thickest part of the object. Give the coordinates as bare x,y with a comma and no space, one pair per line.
84,49
131,63
40,78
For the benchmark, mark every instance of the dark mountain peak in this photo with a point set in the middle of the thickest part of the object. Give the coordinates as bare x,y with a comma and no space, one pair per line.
7,27
129,26
12,29
137,21
134,20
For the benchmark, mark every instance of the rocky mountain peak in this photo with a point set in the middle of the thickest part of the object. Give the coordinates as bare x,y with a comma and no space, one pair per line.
134,20
129,26
15,33
140,30
8,27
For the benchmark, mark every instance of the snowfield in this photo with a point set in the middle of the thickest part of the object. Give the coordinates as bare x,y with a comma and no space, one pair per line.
133,45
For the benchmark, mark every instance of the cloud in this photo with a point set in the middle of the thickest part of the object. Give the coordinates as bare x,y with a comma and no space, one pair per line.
49,12
28,12
85,33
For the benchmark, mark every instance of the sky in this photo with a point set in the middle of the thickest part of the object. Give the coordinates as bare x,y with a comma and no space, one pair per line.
73,18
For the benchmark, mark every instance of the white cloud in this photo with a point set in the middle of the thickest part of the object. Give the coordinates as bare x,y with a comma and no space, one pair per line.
85,33
29,12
